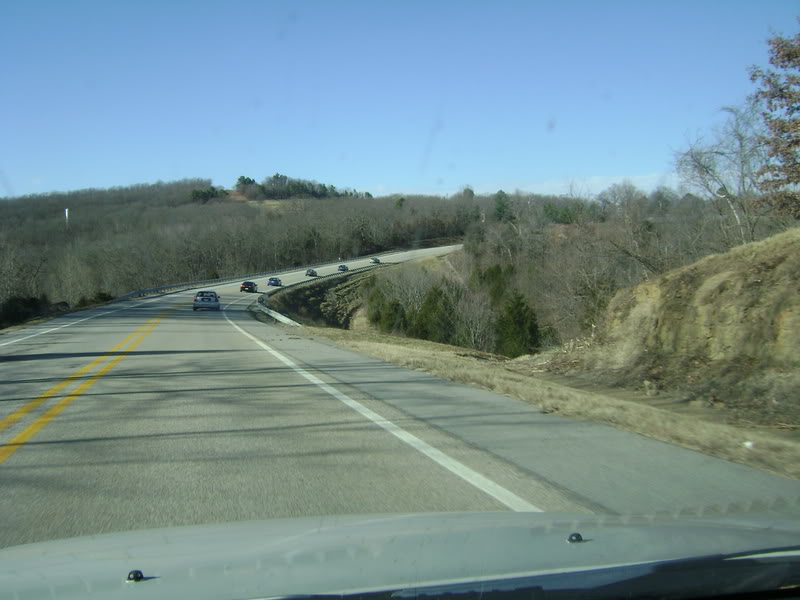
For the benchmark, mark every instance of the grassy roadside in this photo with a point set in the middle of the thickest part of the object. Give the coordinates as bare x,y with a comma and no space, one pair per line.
750,446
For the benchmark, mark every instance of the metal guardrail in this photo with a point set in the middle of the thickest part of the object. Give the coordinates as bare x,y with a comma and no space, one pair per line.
278,316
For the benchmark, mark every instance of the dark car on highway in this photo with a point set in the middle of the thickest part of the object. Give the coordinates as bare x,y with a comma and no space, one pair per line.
311,273
375,260
248,286
343,268
274,281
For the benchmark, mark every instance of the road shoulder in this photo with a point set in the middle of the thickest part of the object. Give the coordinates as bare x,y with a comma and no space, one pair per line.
765,450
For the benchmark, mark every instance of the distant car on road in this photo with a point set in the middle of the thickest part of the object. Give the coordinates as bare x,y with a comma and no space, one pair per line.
375,260
311,273
274,281
343,268
206,300
248,286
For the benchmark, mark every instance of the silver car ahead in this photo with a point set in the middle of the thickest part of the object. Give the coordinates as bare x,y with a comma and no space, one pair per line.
206,300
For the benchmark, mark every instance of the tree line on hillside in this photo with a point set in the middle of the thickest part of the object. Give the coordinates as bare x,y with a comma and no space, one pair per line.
281,187
123,239
537,271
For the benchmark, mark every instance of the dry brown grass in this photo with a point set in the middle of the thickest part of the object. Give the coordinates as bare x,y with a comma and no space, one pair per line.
266,204
274,205
750,446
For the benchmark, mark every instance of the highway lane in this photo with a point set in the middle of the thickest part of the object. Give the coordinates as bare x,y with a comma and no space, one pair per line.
214,417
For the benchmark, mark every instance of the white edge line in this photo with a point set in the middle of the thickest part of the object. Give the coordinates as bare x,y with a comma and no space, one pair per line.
486,485
108,312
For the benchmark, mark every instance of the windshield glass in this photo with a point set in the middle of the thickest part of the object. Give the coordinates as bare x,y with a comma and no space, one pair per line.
513,257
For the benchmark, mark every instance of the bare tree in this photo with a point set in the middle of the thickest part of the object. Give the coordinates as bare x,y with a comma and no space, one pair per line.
474,320
408,285
635,235
726,171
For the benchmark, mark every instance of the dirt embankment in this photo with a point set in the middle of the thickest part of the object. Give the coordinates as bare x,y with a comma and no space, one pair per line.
722,333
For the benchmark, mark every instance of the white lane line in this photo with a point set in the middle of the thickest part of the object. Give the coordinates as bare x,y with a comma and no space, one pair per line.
108,312
496,491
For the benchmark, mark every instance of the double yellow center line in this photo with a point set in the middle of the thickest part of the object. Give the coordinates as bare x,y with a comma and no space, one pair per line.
118,352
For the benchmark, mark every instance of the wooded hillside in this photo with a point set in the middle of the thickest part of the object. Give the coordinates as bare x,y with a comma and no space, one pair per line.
122,239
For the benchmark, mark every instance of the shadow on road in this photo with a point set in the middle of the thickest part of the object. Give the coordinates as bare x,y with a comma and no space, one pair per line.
56,355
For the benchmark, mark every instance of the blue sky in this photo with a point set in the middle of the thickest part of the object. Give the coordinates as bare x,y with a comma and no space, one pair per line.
401,96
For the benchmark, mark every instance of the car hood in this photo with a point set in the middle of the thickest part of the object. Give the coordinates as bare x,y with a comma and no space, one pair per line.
363,554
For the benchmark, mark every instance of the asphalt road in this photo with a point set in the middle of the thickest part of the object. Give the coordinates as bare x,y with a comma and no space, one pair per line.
147,414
